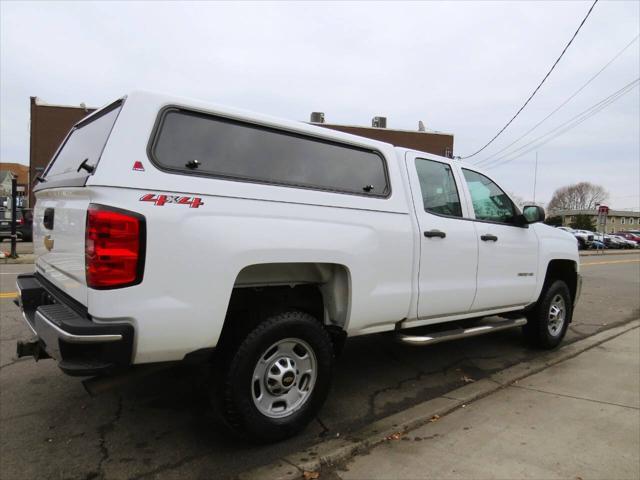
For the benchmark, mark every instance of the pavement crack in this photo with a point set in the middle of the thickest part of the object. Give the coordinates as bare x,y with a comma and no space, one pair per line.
292,464
169,466
13,362
325,429
103,430
371,413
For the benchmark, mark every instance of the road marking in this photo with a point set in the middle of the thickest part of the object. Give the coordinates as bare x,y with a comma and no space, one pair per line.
8,294
609,262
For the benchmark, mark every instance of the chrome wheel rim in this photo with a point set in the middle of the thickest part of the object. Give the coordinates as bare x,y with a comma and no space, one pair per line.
283,378
557,314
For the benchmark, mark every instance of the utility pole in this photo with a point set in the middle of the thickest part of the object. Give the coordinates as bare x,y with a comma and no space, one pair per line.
535,178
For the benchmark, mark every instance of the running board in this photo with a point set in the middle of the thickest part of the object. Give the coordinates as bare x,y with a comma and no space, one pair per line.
455,334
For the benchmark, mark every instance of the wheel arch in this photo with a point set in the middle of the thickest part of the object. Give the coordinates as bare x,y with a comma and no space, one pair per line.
261,290
565,270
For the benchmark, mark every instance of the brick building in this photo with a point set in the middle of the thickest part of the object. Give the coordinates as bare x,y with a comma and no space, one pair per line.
434,142
49,125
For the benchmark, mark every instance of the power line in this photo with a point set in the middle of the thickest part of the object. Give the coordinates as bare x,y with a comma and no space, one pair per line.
566,126
563,103
572,119
539,85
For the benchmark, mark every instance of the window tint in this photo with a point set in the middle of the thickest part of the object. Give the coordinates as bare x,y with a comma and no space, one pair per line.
438,187
86,141
229,148
489,201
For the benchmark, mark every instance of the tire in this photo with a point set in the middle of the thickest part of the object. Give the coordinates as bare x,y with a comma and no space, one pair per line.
546,326
263,395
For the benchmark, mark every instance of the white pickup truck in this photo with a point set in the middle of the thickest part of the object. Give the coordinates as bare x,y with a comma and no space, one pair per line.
172,230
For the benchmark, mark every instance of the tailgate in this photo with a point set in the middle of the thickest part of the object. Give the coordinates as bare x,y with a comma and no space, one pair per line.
58,238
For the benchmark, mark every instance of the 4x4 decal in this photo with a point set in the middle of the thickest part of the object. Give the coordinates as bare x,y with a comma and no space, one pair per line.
160,200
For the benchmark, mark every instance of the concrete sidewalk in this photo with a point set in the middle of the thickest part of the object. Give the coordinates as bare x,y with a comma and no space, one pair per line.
579,419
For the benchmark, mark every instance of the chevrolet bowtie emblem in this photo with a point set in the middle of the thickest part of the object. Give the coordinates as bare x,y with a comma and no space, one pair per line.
48,242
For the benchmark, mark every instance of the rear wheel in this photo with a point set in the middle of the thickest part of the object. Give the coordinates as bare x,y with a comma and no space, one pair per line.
278,378
548,321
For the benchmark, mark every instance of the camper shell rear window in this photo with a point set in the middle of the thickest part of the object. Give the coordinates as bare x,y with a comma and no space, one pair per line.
196,143
84,143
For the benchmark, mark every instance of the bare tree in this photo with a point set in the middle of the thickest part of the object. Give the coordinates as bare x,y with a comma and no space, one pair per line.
579,196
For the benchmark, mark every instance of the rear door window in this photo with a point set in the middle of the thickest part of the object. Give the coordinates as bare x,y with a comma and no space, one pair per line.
86,141
438,187
190,142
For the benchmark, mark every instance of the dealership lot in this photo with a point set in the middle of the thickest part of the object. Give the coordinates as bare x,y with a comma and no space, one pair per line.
161,428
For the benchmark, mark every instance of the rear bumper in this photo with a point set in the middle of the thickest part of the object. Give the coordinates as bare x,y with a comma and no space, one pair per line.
65,331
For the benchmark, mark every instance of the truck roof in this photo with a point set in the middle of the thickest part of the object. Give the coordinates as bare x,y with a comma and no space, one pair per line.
269,120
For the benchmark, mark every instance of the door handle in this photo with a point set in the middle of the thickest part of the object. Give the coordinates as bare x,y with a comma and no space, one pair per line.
489,238
435,233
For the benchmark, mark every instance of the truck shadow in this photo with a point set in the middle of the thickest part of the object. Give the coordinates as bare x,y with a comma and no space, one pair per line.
167,417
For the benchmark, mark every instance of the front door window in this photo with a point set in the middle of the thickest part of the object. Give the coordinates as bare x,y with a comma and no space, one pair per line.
490,203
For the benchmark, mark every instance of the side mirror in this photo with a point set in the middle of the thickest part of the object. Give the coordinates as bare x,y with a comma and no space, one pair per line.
533,213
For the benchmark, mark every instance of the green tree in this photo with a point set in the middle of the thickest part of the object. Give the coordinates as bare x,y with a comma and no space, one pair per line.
583,222
555,221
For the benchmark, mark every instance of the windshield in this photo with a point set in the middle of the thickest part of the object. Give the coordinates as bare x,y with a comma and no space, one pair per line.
86,141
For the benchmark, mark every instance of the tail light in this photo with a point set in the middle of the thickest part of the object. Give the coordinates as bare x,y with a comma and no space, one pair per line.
21,221
114,247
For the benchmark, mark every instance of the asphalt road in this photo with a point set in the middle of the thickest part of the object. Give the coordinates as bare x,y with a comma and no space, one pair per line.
161,427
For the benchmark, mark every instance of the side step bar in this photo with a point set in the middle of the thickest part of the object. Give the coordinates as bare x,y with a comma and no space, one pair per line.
487,326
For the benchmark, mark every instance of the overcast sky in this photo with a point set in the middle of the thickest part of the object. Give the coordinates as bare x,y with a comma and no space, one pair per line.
461,67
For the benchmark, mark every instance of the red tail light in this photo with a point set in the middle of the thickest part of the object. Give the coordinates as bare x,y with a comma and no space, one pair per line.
114,247
21,221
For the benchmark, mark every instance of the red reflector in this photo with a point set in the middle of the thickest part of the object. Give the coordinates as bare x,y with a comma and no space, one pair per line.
114,247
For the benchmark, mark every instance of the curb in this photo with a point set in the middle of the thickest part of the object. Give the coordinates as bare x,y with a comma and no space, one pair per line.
335,450
22,259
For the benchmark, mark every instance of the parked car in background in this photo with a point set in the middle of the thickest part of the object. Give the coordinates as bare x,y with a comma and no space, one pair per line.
585,234
630,236
23,227
612,242
584,239
625,243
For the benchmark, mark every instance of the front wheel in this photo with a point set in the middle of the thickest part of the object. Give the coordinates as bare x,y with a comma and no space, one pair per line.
548,321
274,384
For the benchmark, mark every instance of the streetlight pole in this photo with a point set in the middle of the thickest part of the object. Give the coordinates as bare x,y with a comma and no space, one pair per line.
535,178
